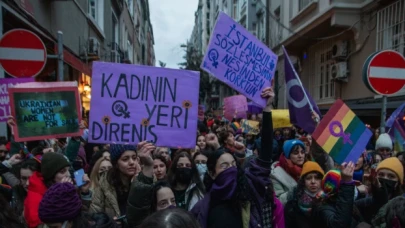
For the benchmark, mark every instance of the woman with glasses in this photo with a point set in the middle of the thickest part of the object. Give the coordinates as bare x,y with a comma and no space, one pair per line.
285,173
384,146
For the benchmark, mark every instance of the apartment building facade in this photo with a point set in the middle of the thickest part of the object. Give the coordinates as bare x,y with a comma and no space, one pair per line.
329,41
93,30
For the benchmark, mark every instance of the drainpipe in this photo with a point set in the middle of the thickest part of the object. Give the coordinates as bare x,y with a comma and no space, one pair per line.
3,125
267,22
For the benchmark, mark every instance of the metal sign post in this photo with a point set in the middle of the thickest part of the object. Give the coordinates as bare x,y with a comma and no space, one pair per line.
383,114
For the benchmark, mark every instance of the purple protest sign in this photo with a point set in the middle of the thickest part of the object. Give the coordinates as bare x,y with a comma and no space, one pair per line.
133,103
239,59
235,106
5,83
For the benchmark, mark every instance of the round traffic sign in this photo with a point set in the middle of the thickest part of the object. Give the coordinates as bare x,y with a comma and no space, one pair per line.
22,53
386,72
365,72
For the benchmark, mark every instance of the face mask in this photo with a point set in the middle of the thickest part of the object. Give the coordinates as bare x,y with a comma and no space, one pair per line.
225,184
388,185
383,194
202,169
278,137
77,165
171,207
183,175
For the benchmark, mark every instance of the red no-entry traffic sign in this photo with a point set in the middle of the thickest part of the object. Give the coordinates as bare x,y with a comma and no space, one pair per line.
22,53
386,72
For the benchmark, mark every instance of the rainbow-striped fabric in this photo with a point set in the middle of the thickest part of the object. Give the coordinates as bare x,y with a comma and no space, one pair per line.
342,134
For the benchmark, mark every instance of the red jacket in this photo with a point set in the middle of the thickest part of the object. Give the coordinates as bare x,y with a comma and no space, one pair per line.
36,190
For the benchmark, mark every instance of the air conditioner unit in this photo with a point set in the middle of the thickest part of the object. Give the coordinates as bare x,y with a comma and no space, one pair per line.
93,48
339,71
340,49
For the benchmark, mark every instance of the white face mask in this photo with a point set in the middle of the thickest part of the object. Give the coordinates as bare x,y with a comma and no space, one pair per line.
202,169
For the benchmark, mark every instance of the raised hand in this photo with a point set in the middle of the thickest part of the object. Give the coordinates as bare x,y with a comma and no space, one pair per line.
212,140
347,171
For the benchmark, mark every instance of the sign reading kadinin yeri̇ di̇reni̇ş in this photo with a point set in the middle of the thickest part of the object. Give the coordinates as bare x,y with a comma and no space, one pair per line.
44,110
239,59
133,103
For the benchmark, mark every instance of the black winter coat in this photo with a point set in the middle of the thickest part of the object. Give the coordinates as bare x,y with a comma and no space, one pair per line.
338,213
293,216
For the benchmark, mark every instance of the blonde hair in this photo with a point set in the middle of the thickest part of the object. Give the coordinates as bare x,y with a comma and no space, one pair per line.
95,176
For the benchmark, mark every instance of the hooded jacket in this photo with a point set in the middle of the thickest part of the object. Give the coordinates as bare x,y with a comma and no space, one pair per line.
36,190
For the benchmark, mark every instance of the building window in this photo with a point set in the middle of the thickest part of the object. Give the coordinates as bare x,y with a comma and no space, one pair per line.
391,29
235,9
130,50
303,3
115,28
96,12
317,71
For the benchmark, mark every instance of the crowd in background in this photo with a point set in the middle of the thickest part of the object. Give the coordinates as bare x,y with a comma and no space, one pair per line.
277,178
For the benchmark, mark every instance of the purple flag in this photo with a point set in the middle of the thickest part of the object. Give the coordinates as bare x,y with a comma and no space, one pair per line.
239,59
6,83
298,97
399,112
133,103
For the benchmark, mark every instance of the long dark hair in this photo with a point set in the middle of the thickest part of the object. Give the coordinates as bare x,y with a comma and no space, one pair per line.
195,178
7,216
159,185
173,218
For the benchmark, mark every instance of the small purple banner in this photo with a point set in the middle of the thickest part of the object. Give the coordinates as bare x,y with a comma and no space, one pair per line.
133,103
235,106
239,59
5,83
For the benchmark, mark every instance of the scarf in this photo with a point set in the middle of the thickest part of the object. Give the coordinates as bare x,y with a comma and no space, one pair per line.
305,202
289,167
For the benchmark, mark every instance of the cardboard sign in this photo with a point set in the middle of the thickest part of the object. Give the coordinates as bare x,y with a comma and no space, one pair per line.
239,59
133,103
235,106
342,134
250,127
5,83
281,118
45,110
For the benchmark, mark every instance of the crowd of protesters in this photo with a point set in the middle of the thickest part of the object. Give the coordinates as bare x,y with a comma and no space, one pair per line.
277,178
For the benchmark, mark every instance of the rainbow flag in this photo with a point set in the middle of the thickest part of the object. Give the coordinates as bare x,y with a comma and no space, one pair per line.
342,134
399,136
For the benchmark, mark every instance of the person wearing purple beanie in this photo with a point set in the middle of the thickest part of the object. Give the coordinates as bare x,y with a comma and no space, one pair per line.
61,207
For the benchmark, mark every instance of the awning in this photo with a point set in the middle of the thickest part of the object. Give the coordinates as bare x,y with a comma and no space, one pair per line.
74,61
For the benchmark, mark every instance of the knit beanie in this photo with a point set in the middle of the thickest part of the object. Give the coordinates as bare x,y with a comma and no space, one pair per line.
383,141
310,167
331,182
52,163
60,203
116,150
393,164
289,144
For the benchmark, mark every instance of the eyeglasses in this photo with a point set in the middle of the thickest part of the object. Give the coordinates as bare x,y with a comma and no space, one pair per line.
385,149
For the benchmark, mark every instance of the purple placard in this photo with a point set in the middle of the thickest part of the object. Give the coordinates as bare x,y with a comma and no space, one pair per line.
235,106
133,103
239,59
5,83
